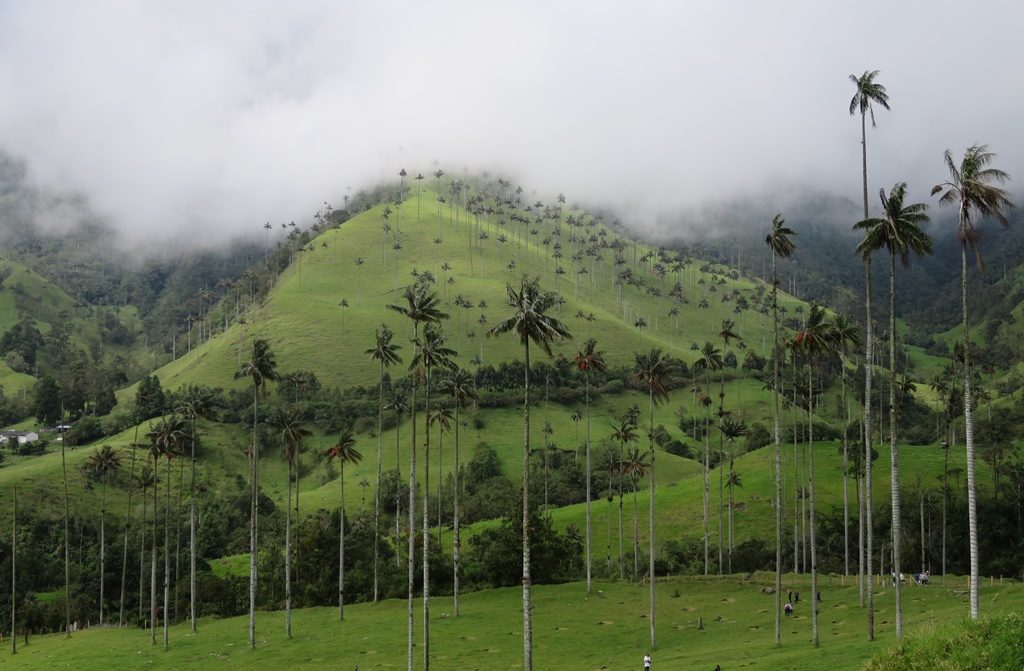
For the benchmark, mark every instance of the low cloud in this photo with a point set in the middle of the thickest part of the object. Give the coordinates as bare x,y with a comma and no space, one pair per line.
204,120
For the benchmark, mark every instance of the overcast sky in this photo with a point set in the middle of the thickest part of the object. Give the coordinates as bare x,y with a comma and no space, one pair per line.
213,117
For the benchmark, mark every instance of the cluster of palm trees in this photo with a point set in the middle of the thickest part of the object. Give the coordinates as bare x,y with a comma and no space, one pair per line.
973,187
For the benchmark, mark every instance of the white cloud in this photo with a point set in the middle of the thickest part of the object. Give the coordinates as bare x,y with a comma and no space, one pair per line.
188,118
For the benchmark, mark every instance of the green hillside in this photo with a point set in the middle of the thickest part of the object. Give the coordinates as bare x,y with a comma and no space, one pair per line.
571,631
309,331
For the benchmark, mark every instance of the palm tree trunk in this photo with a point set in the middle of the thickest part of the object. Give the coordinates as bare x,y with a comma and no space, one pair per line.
142,552
589,564
192,534
412,514
103,543
177,537
152,554
253,522
127,528
778,456
398,490
846,490
622,562
972,503
341,542
67,539
707,496
636,537
288,558
527,607
860,539
380,461
14,572
868,361
457,546
650,520
426,524
893,448
814,552
167,557
868,354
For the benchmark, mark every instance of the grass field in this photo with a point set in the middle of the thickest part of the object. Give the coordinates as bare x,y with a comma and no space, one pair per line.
607,630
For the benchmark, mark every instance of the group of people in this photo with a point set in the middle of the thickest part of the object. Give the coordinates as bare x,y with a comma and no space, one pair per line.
920,579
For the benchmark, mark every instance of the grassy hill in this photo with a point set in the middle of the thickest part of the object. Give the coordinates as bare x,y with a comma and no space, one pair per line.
308,330
607,630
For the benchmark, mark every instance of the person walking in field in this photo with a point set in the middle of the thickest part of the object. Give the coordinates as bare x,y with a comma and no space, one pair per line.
647,662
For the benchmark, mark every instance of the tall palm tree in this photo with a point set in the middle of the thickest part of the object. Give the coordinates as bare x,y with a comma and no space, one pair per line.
652,370
590,360
867,94
710,360
731,429
899,231
385,353
166,438
813,340
261,368
101,465
623,432
782,247
291,433
530,322
195,402
972,188
847,337
421,307
430,353
346,453
460,386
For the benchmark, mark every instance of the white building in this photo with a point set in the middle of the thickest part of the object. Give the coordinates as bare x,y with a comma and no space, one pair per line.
21,437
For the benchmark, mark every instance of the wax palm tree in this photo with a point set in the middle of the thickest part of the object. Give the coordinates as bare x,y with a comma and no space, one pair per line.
261,368
623,432
710,360
847,337
782,247
421,307
102,464
590,360
460,386
899,231
651,370
813,340
385,353
731,429
166,440
576,418
530,322
194,402
291,433
346,453
431,353
972,188
867,94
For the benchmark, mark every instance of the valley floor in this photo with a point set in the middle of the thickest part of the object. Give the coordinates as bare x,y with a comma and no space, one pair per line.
572,631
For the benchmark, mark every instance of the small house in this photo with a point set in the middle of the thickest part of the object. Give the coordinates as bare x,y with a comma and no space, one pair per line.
21,437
